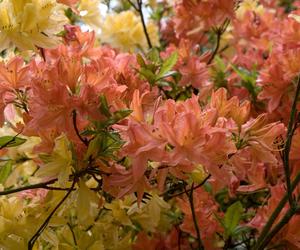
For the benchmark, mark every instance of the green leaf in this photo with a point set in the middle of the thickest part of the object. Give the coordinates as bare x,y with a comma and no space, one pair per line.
170,73
241,73
88,132
220,65
241,229
5,170
104,144
153,55
115,118
248,81
232,217
11,141
104,106
140,60
167,65
148,74
163,84
121,114
93,149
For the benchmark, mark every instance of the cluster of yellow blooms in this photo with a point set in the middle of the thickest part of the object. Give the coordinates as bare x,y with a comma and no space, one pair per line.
30,23
125,31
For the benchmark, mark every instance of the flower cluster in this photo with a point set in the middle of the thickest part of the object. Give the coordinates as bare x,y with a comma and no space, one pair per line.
160,125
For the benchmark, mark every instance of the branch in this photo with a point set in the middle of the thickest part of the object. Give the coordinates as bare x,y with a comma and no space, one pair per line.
276,213
43,185
216,48
133,5
266,235
73,234
196,187
179,238
191,200
219,31
45,224
286,218
42,53
74,115
288,143
140,10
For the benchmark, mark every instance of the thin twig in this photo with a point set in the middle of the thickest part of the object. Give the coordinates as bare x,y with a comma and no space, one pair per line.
72,232
179,238
286,218
276,213
42,52
133,5
96,219
288,143
191,201
196,187
219,32
140,10
45,224
74,115
265,234
43,185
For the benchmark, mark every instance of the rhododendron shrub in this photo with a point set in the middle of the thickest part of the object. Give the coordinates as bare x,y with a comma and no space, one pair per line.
149,124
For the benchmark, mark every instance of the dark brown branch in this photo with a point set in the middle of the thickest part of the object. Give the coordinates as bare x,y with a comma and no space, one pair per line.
73,234
133,5
275,214
140,10
288,143
43,185
195,187
219,32
286,218
190,196
46,222
74,116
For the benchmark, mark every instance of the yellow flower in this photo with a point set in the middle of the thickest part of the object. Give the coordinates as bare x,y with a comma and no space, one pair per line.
249,5
89,12
118,209
295,17
30,23
125,31
198,174
87,204
150,213
59,163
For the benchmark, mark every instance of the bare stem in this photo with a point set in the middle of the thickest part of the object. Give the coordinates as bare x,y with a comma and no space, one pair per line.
74,115
219,32
188,190
288,143
46,222
191,200
285,219
43,185
276,213
73,234
139,9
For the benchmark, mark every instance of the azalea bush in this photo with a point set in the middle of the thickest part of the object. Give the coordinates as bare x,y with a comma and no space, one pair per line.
138,124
